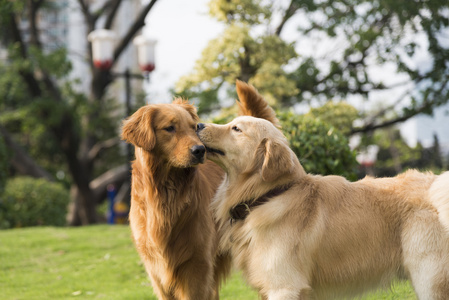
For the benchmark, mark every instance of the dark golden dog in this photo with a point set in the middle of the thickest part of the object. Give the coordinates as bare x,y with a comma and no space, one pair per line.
172,226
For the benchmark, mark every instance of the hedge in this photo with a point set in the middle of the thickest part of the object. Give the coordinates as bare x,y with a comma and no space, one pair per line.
28,201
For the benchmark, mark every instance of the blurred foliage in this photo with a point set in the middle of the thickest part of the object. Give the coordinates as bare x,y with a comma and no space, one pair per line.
338,43
239,53
395,155
248,11
68,126
340,115
29,118
320,146
379,32
33,202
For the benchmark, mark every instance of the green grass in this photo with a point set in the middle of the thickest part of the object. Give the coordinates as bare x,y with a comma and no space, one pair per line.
97,262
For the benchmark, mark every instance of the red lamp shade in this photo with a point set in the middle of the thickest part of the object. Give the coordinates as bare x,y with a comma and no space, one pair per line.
102,48
145,53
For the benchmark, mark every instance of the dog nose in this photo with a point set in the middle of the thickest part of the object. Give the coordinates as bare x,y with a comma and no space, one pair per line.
198,151
200,126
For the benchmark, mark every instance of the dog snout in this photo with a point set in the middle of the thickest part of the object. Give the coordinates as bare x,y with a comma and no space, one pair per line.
198,152
200,126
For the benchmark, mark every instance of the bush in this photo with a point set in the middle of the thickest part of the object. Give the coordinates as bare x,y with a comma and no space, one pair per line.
33,202
320,148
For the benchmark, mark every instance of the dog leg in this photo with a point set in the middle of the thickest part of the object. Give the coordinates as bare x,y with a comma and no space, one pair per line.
288,294
431,280
440,287
283,294
195,281
159,290
426,256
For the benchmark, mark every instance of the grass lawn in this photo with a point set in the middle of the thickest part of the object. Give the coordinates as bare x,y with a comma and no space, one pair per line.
96,262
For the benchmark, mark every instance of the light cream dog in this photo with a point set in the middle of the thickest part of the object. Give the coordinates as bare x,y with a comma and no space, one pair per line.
301,236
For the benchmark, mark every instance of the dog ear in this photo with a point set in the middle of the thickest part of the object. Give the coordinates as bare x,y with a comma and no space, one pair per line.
138,128
251,103
277,160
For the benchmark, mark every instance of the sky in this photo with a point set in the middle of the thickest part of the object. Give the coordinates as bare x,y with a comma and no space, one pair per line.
182,30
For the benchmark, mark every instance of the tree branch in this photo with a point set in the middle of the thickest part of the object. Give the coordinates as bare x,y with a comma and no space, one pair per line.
21,161
90,19
97,148
426,106
106,6
35,41
292,8
116,176
136,26
371,126
30,80
110,18
84,8
34,7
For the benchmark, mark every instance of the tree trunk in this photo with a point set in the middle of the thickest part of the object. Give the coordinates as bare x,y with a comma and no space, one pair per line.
82,212
22,163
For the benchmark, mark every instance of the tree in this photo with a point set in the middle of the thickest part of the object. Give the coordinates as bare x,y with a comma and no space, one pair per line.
395,155
240,54
340,115
431,157
320,147
318,138
41,112
339,42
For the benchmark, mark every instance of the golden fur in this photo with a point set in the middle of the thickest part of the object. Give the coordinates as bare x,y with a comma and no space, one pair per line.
325,237
171,223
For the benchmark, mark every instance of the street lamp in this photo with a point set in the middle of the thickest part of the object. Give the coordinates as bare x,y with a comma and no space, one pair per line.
145,53
102,48
102,41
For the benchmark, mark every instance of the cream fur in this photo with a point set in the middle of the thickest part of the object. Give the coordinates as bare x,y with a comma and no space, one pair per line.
326,237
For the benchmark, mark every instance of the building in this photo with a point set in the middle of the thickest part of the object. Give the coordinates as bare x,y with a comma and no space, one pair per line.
61,24
77,44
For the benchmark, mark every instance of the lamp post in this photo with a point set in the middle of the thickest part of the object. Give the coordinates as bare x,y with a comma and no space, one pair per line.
145,53
102,48
102,41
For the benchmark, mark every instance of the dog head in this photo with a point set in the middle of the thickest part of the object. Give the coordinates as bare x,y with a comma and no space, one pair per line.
248,145
168,131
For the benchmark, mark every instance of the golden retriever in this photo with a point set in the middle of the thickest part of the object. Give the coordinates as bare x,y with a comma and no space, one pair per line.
171,222
301,236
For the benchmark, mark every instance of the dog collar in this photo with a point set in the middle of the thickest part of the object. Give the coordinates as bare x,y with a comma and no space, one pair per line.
242,210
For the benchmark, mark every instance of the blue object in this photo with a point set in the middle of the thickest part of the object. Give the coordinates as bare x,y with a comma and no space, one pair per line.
112,192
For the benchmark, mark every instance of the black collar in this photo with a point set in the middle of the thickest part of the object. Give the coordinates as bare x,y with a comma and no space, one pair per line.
242,210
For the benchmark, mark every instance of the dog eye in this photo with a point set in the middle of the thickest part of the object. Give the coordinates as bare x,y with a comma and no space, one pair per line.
235,128
170,129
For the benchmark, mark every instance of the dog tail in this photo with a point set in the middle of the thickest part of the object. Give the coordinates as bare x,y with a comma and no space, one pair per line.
251,103
439,197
